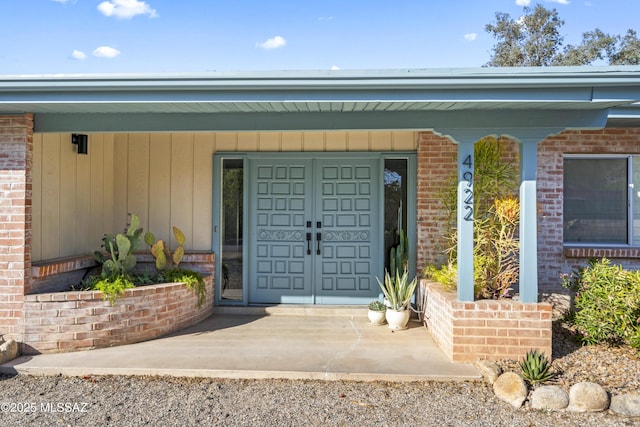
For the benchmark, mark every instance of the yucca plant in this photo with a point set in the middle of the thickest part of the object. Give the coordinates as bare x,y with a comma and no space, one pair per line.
536,367
397,289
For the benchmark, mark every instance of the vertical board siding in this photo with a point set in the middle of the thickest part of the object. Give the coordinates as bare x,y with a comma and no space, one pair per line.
182,185
36,199
50,219
160,186
165,178
204,145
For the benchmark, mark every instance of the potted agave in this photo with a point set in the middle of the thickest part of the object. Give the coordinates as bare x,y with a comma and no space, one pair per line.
398,291
376,312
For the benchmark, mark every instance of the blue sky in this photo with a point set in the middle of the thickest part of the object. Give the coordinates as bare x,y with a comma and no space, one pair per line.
131,36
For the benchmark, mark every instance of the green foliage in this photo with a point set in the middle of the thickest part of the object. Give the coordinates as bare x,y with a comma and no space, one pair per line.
112,287
496,222
118,266
397,289
607,303
120,249
399,255
535,40
447,275
162,253
377,306
192,279
536,367
496,249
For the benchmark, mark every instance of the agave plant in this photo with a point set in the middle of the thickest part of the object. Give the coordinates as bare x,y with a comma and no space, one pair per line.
397,289
536,367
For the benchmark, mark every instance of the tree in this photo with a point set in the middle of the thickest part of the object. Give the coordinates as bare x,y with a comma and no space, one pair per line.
534,40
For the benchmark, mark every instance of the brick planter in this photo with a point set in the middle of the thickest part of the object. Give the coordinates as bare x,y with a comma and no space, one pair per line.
484,329
68,321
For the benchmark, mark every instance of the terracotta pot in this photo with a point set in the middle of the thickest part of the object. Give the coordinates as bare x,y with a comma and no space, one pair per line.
397,320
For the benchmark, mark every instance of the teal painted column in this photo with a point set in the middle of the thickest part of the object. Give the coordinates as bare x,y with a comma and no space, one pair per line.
466,164
528,222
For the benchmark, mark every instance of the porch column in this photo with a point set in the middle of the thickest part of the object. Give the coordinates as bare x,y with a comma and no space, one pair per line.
528,221
466,164
16,151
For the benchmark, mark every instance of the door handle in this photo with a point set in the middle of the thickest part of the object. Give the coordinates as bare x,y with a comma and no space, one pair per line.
318,240
308,243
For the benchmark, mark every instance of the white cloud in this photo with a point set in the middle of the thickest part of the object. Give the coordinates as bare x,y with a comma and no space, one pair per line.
559,1
470,37
273,43
334,68
126,9
106,52
78,54
523,2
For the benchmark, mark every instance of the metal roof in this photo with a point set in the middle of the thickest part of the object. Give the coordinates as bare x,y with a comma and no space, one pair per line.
412,98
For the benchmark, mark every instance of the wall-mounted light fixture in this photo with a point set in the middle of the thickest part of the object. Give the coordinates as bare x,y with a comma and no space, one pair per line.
82,141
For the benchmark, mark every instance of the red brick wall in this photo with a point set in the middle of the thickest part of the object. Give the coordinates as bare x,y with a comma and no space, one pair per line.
553,258
484,329
68,321
16,152
437,163
437,160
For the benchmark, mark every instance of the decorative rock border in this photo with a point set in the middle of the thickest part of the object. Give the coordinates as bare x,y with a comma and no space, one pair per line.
582,397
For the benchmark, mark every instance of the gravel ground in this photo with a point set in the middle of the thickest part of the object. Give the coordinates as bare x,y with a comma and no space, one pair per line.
162,401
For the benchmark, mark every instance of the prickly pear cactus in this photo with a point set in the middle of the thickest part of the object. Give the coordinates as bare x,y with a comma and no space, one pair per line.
157,249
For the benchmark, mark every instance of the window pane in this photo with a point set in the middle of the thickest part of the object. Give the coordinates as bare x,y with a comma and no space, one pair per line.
635,200
232,196
595,201
395,203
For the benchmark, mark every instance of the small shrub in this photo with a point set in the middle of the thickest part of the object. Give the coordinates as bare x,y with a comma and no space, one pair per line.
536,367
112,287
447,275
607,303
377,306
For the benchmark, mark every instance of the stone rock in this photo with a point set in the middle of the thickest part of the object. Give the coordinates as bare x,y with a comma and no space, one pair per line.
510,388
8,351
626,404
587,397
550,397
490,370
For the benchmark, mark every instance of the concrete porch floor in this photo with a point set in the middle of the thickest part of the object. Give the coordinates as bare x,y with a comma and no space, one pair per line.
294,342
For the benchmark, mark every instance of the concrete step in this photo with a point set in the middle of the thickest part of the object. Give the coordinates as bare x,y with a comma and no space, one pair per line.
294,310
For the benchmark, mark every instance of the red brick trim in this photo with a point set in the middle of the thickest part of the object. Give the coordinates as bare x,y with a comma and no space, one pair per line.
611,253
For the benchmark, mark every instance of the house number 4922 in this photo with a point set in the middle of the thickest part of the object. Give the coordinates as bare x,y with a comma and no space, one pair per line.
467,176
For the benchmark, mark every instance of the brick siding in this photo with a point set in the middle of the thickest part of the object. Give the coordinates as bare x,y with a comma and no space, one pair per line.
16,154
553,258
437,161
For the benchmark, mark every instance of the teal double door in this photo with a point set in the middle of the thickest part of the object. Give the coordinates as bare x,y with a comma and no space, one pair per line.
314,230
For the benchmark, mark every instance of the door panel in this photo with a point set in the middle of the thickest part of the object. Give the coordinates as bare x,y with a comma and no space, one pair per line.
279,264
346,189
333,203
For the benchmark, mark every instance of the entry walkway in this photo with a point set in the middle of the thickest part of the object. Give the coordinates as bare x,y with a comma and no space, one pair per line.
307,342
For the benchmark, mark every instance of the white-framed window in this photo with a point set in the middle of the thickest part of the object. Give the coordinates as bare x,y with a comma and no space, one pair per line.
601,200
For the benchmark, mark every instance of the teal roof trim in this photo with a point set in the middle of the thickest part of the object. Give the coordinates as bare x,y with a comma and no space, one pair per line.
93,102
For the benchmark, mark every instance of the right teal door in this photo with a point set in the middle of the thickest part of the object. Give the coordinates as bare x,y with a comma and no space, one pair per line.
314,230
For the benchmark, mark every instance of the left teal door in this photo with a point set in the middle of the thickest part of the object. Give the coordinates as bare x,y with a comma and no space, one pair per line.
314,233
